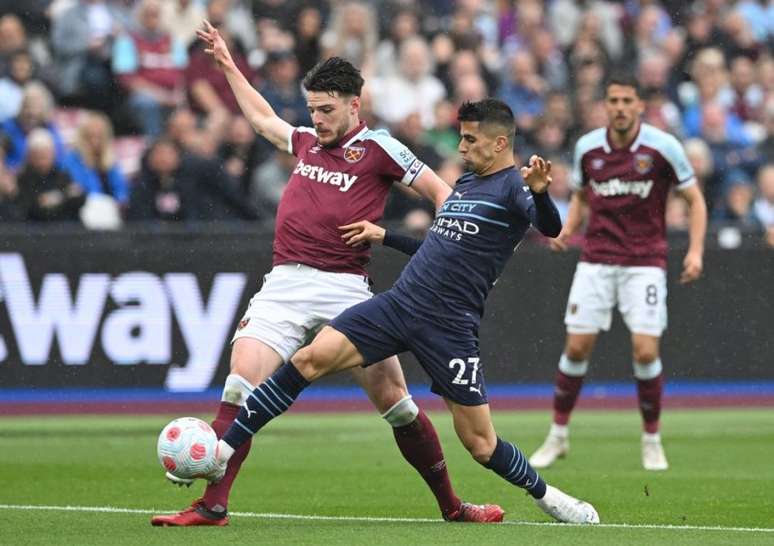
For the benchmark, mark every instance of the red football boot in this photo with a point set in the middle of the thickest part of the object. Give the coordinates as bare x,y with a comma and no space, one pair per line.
196,514
477,513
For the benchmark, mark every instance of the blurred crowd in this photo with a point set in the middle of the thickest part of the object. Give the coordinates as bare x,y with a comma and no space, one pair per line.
111,111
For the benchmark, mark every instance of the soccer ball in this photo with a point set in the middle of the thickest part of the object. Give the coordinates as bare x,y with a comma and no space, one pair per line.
187,448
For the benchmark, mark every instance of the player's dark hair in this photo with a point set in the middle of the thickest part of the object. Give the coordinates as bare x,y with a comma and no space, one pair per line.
624,79
334,74
489,112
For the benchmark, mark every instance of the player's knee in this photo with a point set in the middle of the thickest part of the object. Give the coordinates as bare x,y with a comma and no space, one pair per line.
310,363
402,412
236,390
480,447
577,350
645,355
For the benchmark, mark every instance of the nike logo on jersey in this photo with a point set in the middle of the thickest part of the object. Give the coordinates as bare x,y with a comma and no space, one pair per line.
319,174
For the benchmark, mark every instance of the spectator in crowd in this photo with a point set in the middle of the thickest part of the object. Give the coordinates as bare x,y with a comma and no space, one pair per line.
91,163
749,96
281,88
181,18
710,86
182,128
567,20
552,66
82,39
269,182
13,38
524,90
728,155
20,73
763,207
307,31
700,157
766,146
9,208
46,192
352,35
738,201
403,25
444,135
241,153
35,112
161,192
150,64
418,90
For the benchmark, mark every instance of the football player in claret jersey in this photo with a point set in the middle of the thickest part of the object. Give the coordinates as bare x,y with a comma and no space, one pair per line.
344,173
623,174
435,308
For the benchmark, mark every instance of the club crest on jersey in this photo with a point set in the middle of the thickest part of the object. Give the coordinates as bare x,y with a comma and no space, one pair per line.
353,154
643,163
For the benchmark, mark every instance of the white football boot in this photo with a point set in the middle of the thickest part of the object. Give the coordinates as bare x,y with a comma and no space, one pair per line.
653,456
555,446
565,508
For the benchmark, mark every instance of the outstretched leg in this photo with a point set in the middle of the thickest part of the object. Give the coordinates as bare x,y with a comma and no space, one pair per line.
417,439
330,352
473,425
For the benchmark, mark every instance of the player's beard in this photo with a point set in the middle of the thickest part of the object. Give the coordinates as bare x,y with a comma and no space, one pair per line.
336,137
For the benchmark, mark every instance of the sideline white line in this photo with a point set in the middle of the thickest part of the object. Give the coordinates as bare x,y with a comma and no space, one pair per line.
368,519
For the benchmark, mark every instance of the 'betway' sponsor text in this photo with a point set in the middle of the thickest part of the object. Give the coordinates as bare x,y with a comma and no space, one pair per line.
319,174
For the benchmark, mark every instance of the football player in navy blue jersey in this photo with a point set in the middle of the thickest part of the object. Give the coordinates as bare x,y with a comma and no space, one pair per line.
435,307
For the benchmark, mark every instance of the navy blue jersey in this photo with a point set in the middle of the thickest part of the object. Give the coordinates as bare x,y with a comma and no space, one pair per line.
475,232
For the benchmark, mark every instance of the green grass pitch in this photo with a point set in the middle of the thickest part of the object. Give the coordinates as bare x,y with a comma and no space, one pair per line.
347,467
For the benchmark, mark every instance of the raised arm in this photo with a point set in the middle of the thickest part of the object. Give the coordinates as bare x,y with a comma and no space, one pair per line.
544,215
255,108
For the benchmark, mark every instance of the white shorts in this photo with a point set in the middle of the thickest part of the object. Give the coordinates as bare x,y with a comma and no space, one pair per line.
639,292
295,301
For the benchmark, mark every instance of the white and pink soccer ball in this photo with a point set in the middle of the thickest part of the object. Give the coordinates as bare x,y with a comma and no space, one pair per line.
187,448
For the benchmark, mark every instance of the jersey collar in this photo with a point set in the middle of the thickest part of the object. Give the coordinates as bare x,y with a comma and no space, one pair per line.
632,147
354,135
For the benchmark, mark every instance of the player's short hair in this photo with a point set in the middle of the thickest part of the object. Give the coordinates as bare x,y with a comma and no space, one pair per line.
334,75
491,112
624,79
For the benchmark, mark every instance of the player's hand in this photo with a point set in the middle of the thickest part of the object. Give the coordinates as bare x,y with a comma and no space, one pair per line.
538,174
692,267
362,232
214,44
559,244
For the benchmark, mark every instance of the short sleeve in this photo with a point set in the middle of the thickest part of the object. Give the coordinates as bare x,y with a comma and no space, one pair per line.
674,153
576,176
397,161
300,138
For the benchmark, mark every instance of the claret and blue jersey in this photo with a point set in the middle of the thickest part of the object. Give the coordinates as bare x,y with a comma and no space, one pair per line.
473,236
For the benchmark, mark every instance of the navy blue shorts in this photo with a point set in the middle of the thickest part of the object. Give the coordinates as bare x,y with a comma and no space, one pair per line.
380,327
